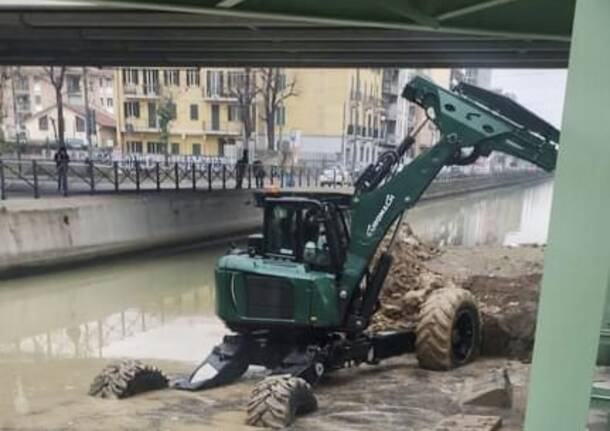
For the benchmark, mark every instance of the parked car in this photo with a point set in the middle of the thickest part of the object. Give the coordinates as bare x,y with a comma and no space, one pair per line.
336,176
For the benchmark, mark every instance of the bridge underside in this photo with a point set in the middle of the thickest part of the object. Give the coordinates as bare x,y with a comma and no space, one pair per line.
111,36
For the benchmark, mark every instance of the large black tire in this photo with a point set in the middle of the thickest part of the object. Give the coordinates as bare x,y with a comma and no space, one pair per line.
448,333
277,400
126,379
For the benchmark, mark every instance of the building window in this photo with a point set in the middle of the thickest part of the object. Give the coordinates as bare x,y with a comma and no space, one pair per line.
171,77
196,149
234,112
152,115
175,148
235,81
192,77
38,99
22,83
281,81
151,81
132,109
215,83
43,123
130,77
101,82
101,101
80,124
109,102
155,147
362,153
73,83
280,115
173,110
134,147
194,112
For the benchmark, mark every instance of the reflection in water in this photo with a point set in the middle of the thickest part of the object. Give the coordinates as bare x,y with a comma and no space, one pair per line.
105,310
162,307
507,216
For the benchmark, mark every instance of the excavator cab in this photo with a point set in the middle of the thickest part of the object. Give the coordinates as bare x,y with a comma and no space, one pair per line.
287,277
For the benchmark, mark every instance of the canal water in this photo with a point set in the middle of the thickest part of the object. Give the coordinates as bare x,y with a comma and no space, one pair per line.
161,306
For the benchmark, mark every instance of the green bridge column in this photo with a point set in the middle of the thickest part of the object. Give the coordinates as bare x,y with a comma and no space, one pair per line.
578,256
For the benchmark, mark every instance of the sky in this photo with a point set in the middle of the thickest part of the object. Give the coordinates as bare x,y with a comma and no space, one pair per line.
541,91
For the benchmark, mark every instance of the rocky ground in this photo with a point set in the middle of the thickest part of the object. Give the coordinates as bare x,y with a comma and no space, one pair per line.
505,281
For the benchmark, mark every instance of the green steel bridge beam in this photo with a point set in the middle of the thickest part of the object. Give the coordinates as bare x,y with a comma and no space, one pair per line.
576,262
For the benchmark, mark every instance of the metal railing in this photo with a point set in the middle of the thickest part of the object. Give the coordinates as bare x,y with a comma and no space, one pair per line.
45,178
27,178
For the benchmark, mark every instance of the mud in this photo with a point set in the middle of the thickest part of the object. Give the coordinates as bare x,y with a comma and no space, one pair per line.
505,281
393,395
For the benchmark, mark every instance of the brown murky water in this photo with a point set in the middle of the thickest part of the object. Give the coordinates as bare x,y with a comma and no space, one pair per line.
57,330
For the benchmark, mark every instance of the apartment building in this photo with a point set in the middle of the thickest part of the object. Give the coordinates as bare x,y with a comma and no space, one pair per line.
396,117
336,116
331,109
28,91
204,113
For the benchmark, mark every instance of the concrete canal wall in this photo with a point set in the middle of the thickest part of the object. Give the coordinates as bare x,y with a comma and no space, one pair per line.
50,231
38,233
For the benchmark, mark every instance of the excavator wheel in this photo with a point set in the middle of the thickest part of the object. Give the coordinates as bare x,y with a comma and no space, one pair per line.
126,379
448,333
277,400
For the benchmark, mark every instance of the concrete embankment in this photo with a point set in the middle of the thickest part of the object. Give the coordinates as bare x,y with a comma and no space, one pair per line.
38,233
53,231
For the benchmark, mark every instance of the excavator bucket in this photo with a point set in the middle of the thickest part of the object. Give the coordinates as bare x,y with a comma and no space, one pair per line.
226,363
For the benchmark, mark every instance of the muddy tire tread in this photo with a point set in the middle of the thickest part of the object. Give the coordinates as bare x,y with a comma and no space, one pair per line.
126,379
434,329
277,400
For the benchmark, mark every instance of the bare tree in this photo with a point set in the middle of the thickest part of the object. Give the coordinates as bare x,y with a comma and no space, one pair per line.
274,87
56,77
242,86
4,76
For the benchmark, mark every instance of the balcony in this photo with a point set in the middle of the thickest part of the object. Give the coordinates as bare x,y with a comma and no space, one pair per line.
390,88
218,95
221,129
392,112
145,91
139,128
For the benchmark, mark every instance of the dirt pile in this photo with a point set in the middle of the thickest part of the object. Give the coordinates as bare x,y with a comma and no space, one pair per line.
408,283
504,280
508,307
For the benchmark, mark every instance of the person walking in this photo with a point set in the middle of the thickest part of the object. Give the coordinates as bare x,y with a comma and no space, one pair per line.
240,169
259,173
62,159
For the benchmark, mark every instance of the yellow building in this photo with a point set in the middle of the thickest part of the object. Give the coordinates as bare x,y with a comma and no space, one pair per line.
204,121
333,111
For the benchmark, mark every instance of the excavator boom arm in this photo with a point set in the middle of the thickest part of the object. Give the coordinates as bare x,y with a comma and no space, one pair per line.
472,123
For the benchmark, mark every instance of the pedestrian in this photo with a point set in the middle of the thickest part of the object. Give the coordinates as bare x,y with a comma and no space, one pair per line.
240,169
259,173
62,159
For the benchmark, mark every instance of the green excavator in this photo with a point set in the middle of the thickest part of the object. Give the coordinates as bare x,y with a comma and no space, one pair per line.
300,297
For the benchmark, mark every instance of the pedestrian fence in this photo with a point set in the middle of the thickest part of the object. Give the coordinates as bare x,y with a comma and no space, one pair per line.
42,177
19,178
